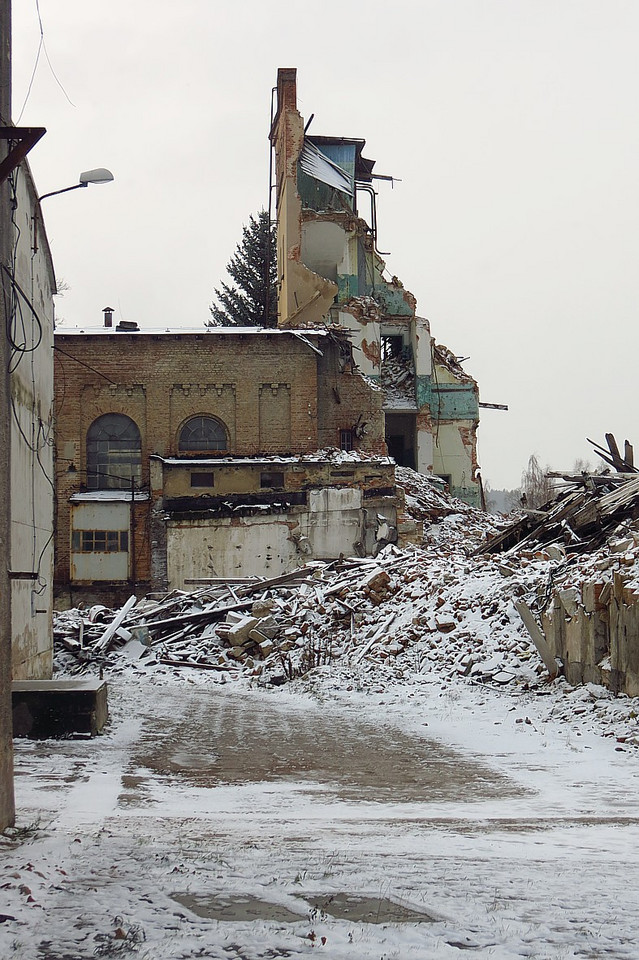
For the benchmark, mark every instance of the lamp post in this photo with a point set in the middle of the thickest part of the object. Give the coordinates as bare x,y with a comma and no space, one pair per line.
73,470
99,175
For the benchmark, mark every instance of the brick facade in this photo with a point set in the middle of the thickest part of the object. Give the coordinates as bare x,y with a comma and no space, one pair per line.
272,392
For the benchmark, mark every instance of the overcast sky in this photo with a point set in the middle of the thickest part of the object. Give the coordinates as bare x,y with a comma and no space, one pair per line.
512,124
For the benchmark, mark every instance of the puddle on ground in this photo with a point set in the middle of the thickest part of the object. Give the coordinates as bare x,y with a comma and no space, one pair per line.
224,739
239,909
339,906
361,909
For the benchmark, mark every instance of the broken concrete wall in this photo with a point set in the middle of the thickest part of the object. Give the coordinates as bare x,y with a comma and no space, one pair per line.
320,196
594,631
315,510
304,296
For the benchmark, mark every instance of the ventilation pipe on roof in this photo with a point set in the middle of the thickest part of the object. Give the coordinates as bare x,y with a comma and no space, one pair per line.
108,316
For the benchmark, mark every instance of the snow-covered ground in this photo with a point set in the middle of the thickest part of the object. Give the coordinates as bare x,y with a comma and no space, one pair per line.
218,820
426,793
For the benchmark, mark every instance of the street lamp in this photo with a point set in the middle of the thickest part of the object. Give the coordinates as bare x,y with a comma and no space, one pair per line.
99,175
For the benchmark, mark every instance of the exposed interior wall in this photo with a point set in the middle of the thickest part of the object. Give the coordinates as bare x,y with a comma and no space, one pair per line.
241,527
319,227
455,412
304,297
32,441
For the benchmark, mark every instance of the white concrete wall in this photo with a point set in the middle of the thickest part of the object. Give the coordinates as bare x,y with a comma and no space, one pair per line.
421,341
254,546
323,248
425,452
334,523
32,472
266,546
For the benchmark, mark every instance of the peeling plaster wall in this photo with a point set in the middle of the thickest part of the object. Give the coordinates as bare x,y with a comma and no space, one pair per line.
304,296
32,449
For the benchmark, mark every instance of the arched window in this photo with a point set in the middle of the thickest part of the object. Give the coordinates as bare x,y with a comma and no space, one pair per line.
113,453
202,434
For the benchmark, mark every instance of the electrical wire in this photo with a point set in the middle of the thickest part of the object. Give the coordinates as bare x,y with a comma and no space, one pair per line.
83,364
41,47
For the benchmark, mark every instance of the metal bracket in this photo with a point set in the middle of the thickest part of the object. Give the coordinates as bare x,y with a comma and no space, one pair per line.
23,138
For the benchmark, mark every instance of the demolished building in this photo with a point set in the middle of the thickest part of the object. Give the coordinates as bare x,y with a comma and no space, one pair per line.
331,272
233,452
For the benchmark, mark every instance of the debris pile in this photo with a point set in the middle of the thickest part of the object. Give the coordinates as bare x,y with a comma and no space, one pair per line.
398,381
439,611
405,610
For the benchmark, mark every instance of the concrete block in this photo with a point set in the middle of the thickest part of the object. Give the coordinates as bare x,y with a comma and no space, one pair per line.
58,708
238,632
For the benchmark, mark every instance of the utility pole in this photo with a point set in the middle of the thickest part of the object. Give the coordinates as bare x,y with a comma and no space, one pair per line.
7,798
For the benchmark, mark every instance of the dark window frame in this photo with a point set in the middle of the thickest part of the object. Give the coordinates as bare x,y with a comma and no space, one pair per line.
272,480
203,479
346,439
113,453
203,434
100,541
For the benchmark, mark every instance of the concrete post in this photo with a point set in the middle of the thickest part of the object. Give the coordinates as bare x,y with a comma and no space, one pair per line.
7,802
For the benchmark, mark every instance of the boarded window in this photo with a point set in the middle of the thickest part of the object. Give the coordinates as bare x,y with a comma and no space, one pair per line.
275,417
272,479
203,479
202,434
114,455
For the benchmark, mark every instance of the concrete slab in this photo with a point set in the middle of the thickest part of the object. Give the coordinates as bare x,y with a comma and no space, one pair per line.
58,708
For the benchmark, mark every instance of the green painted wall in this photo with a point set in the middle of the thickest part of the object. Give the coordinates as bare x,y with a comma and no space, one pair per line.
423,390
454,402
347,286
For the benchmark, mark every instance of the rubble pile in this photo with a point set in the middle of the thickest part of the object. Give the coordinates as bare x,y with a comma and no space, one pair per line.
587,508
398,382
441,612
426,500
405,610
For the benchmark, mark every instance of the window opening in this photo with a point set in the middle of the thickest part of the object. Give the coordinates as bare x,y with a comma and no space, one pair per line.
114,455
200,434
100,541
203,479
273,479
346,439
392,346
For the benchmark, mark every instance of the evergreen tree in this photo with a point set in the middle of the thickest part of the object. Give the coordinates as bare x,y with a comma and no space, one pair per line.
253,267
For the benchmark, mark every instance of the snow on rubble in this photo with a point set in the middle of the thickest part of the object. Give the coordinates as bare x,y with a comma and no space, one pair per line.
437,611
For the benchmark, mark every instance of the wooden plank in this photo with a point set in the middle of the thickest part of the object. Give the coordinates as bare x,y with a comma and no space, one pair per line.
115,623
629,453
617,459
217,614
